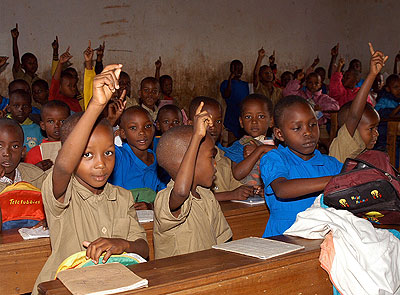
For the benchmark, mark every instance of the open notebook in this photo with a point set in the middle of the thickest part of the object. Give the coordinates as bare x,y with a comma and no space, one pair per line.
258,247
101,279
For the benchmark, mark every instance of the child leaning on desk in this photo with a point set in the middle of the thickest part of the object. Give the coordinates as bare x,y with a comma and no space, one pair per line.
82,209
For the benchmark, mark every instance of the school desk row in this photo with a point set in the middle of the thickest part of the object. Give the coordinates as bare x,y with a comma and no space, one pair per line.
21,261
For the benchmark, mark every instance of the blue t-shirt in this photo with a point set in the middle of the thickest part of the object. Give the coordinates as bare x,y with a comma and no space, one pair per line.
387,101
32,135
130,172
4,102
239,90
234,152
282,162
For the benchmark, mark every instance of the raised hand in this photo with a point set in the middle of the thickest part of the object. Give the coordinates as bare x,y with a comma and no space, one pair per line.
316,61
100,51
158,63
88,53
201,121
300,76
66,56
261,52
105,83
397,58
54,44
378,60
15,32
116,108
272,58
335,50
341,62
3,60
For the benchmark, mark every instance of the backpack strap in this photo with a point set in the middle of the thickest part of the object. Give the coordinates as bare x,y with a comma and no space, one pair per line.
374,167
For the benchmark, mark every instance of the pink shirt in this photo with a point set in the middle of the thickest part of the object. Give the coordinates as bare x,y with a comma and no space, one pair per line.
339,92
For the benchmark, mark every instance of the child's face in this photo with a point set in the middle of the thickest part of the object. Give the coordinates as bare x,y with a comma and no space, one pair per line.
53,118
68,87
20,85
299,130
30,65
138,130
313,84
267,75
97,162
349,80
216,119
169,119
368,128
40,94
237,70
321,73
166,87
395,88
20,107
255,118
149,94
11,149
378,83
205,163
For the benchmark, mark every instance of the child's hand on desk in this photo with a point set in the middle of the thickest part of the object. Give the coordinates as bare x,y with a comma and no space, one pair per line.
45,164
105,83
202,119
259,190
143,206
242,192
41,223
109,245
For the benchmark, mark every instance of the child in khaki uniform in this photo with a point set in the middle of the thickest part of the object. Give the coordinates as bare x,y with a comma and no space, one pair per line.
82,209
359,119
187,217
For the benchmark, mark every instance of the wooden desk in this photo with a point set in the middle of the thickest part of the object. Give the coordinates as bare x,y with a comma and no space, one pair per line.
392,132
219,272
23,260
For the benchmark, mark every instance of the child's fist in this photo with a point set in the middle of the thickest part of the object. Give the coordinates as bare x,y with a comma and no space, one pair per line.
15,32
66,56
54,44
341,62
378,60
335,50
272,58
201,121
316,61
3,60
242,192
105,83
158,63
88,53
261,52
300,76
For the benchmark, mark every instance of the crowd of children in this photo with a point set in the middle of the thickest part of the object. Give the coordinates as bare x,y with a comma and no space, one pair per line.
96,168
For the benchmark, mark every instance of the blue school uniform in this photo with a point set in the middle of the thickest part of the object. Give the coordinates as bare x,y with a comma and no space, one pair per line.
282,162
234,152
130,172
239,90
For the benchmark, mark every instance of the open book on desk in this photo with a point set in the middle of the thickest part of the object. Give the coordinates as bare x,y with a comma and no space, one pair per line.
253,200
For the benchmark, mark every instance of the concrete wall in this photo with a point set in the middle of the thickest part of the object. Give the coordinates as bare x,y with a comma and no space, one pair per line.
197,39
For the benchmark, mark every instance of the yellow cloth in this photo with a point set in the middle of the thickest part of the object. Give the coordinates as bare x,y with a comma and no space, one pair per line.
84,216
344,146
200,224
224,180
88,86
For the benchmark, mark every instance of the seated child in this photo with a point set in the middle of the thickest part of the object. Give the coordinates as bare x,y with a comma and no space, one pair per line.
355,65
19,108
358,119
343,87
149,94
63,85
187,217
40,93
25,68
296,173
263,80
12,170
245,153
168,116
225,186
53,115
82,209
165,82
125,84
135,163
234,91
313,94
376,90
285,78
322,73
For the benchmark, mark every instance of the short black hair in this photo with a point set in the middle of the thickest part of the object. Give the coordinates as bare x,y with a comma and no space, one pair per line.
165,77
169,107
66,75
285,103
54,104
70,123
235,62
125,74
6,122
391,80
133,109
344,110
71,71
22,93
312,75
41,83
151,80
26,56
14,83
194,104
260,97
353,62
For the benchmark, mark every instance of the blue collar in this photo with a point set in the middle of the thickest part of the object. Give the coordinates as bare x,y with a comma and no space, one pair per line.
316,160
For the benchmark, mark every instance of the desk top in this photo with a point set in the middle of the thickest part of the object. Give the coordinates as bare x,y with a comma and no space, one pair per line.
185,272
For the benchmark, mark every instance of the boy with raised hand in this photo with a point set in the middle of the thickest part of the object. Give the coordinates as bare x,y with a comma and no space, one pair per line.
82,209
26,67
361,120
187,217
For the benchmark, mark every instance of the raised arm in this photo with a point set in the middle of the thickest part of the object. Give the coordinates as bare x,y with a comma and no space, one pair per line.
334,55
71,152
98,68
396,61
158,65
312,67
184,179
256,78
66,56
54,62
377,62
17,61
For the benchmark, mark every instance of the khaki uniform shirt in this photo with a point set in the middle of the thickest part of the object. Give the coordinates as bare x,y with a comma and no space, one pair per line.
153,114
20,74
200,224
224,180
344,146
274,97
84,216
29,173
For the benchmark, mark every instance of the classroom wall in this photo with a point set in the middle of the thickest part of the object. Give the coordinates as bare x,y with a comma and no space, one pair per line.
197,39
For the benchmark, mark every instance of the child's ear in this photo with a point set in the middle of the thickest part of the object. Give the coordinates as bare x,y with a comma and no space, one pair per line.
23,154
190,122
241,122
278,134
122,133
41,124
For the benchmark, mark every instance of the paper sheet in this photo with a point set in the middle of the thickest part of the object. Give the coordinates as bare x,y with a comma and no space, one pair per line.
34,233
145,215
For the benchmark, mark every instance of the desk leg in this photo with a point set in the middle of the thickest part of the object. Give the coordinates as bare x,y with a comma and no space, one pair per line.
391,141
